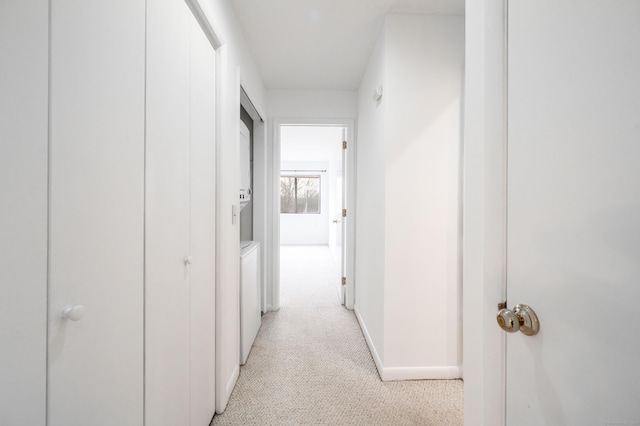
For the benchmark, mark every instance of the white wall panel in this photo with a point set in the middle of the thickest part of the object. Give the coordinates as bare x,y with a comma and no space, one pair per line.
370,200
423,92
314,104
408,230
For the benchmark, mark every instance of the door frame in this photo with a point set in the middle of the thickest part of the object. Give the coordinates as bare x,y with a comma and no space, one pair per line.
274,294
205,24
484,222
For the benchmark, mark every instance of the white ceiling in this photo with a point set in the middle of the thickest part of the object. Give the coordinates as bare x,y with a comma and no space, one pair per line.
321,44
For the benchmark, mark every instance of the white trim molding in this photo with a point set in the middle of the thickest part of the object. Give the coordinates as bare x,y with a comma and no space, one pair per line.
205,23
367,338
388,374
420,373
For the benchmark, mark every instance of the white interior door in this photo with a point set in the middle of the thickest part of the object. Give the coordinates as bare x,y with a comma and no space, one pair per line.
244,150
573,211
336,222
96,193
341,238
180,219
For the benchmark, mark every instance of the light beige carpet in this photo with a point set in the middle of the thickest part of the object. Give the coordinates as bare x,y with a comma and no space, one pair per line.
310,364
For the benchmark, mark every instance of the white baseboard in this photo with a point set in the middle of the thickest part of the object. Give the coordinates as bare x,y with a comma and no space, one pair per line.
367,338
388,374
420,373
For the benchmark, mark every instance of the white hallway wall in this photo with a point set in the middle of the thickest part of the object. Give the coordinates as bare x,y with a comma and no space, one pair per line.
408,288
312,104
370,196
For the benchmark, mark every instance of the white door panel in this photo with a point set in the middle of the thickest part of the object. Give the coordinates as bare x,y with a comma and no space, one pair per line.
180,219
96,212
167,293
24,30
573,209
344,221
338,252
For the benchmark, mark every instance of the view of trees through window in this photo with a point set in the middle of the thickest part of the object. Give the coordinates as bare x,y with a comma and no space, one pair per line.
300,194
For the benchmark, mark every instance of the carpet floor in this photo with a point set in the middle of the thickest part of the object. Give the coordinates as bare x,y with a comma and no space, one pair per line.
310,364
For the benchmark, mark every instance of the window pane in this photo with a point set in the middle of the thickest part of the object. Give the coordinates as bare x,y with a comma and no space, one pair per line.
308,195
287,194
300,194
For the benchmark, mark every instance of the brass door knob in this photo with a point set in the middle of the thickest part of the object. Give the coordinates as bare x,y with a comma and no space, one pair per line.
521,318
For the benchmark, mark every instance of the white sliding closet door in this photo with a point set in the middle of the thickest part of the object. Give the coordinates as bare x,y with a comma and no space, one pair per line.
24,49
180,219
95,370
203,243
167,293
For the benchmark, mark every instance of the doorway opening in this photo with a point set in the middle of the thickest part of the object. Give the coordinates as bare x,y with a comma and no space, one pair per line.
313,177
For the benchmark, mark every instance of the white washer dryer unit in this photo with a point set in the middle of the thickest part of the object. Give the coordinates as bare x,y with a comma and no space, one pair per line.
250,303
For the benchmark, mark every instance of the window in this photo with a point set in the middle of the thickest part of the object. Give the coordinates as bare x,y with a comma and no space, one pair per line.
300,194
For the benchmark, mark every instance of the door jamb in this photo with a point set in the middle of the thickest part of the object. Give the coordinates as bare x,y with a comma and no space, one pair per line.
210,31
275,198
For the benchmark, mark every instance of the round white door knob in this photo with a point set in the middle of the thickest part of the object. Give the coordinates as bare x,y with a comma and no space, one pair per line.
188,260
74,313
